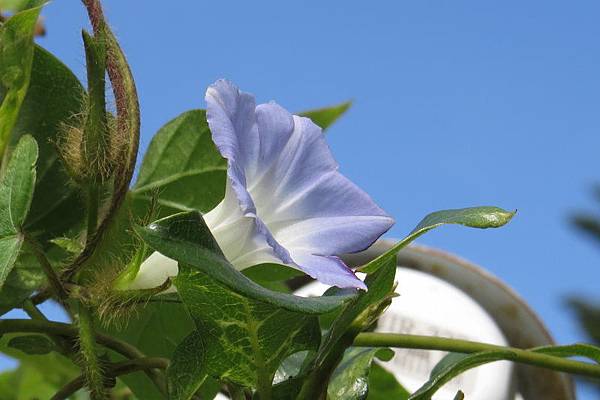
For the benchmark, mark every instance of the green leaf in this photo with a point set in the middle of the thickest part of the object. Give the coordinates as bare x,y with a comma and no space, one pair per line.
473,217
326,116
16,55
271,273
384,386
54,97
350,380
18,5
239,339
25,277
16,192
188,369
292,366
186,238
272,276
183,164
455,364
26,383
155,330
32,344
16,186
573,350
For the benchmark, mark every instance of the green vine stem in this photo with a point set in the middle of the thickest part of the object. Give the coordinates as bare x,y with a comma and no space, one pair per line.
372,339
92,210
68,330
117,369
33,312
93,370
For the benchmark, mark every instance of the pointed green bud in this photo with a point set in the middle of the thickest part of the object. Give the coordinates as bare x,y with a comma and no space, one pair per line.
95,145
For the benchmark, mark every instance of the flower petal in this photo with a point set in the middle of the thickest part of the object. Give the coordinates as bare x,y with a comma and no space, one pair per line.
238,236
154,271
329,270
231,117
285,178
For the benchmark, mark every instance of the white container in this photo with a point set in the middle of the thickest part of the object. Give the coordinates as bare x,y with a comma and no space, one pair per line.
518,323
429,306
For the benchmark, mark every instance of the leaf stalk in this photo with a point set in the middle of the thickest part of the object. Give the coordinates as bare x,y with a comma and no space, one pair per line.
523,356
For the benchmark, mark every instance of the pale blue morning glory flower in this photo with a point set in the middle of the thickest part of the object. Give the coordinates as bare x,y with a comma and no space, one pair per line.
285,200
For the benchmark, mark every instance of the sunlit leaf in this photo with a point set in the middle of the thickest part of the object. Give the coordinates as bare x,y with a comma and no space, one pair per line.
455,364
473,217
16,56
326,116
183,166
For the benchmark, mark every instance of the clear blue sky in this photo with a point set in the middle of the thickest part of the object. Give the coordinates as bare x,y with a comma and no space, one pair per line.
456,104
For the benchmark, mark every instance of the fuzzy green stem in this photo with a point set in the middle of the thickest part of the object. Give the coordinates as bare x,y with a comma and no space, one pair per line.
115,370
530,357
92,210
92,366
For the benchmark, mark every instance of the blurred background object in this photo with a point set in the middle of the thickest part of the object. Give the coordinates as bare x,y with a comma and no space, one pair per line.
587,309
